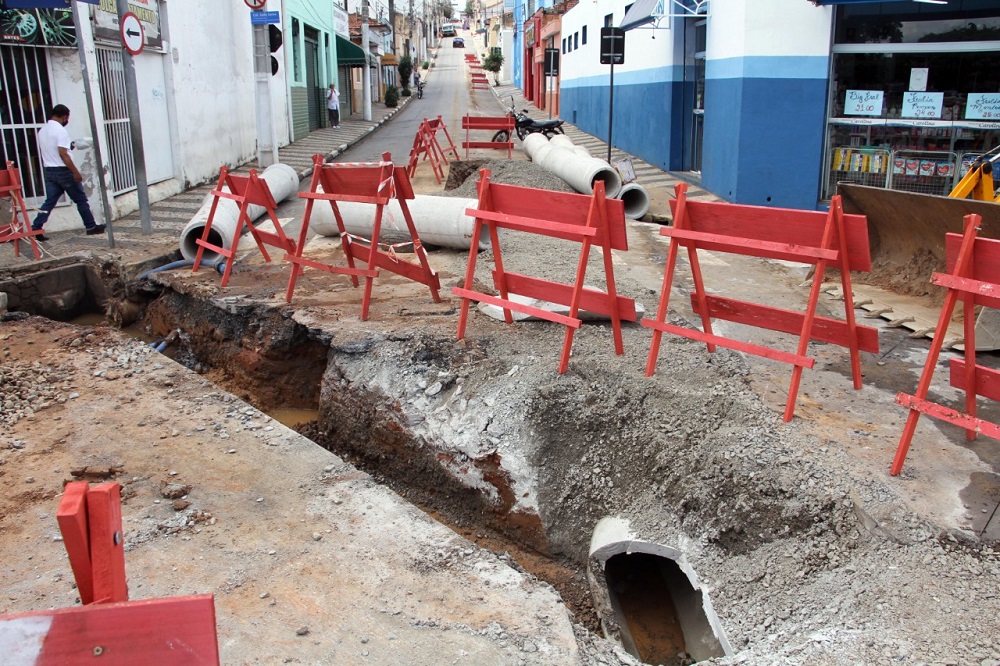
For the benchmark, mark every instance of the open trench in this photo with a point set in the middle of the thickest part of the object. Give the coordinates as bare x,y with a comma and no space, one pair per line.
679,465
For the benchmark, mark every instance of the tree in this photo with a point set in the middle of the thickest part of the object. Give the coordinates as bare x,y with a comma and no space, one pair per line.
470,8
492,63
445,7
405,68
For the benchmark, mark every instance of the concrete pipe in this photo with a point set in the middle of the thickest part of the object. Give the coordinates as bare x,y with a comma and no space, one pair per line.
439,221
283,182
532,143
581,150
580,172
541,152
561,140
636,200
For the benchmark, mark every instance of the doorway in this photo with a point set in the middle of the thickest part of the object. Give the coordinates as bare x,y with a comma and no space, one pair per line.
695,32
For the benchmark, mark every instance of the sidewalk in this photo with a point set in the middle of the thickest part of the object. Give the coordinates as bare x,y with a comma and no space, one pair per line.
170,215
657,182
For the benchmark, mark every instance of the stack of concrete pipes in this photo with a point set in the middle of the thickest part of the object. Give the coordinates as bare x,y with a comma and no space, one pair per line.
576,166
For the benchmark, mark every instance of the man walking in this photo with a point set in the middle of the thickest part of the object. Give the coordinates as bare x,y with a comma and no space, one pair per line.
61,174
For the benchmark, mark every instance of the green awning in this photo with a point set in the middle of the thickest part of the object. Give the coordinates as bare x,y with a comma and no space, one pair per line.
349,53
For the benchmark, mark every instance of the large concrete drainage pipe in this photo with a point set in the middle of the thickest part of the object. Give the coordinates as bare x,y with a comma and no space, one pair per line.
439,220
649,599
561,141
532,143
636,200
582,173
281,179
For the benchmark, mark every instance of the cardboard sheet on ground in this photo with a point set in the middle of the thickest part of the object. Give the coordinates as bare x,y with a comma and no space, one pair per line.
585,315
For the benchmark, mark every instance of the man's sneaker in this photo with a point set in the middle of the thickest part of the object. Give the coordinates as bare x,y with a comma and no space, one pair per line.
96,229
41,237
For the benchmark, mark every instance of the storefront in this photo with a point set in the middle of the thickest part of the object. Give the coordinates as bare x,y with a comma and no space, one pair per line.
914,93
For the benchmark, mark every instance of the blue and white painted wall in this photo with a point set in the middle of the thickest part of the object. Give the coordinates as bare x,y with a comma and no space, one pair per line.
767,70
766,79
647,85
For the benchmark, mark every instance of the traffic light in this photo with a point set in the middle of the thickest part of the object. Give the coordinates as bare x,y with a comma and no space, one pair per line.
274,42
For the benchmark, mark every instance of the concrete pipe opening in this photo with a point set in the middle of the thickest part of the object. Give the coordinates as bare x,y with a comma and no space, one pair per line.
636,200
649,599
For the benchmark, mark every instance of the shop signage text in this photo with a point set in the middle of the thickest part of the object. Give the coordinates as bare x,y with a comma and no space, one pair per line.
922,104
983,106
863,103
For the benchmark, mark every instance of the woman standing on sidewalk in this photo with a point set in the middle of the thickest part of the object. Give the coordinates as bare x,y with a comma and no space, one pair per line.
333,106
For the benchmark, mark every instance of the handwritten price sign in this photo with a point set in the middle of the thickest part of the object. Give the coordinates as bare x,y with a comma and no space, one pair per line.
863,103
983,106
922,104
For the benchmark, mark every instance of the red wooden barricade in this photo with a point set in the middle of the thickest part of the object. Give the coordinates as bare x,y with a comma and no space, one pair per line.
153,631
479,81
427,147
374,183
492,124
808,237
246,191
19,226
588,220
973,266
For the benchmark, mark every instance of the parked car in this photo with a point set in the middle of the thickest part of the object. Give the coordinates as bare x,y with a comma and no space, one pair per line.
458,43
448,30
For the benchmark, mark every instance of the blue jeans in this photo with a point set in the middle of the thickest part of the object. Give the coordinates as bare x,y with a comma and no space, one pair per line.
57,181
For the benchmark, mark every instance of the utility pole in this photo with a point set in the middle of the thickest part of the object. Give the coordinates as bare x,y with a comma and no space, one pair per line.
409,40
135,127
366,77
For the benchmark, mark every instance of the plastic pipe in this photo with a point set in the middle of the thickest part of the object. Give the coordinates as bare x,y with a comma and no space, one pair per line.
636,200
439,220
219,266
281,179
582,173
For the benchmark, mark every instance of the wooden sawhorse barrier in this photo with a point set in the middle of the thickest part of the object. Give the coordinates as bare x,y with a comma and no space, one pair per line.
108,625
808,237
490,123
19,226
973,275
246,191
374,183
427,147
588,220
479,81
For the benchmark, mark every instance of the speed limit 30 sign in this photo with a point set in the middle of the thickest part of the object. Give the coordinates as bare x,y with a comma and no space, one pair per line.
133,34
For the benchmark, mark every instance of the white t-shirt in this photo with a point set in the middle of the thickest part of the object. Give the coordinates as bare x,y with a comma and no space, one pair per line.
332,99
51,138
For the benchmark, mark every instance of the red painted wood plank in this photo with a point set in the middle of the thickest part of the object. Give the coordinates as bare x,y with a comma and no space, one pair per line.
534,225
179,630
402,267
496,145
750,247
987,379
591,300
338,270
825,329
986,257
487,122
72,519
516,307
949,415
757,350
984,293
107,543
779,225
562,207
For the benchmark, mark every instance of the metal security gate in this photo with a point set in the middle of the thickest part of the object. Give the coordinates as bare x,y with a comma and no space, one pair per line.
24,103
121,163
317,101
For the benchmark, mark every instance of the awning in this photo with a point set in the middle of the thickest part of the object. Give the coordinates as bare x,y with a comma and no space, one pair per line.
390,60
644,12
349,53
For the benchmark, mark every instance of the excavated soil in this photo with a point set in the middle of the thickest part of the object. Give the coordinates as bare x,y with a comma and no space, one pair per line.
810,551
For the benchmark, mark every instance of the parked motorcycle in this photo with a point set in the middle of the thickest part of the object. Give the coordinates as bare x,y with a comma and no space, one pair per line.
525,125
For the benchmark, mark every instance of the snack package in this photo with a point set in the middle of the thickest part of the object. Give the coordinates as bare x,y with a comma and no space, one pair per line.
877,164
944,169
912,167
927,167
898,165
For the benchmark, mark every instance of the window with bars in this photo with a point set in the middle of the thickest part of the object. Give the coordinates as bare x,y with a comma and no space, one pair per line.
121,161
25,102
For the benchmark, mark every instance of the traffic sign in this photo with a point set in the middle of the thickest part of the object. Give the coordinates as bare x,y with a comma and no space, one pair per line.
133,34
551,62
264,18
612,46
